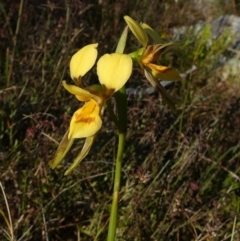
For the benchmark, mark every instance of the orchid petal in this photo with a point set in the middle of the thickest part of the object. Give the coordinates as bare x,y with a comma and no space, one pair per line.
85,150
86,121
62,150
114,70
152,33
81,94
164,73
159,49
170,101
137,30
82,61
122,41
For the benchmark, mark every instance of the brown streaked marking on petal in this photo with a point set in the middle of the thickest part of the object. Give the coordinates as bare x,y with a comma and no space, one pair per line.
86,120
83,116
160,68
166,69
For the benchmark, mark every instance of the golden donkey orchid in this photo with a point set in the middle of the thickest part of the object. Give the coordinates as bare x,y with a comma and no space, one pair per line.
147,57
113,71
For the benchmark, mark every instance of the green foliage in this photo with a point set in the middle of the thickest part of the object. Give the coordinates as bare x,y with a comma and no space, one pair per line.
207,48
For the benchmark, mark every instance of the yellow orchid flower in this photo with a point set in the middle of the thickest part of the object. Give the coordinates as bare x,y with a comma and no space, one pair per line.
113,71
150,53
148,56
79,68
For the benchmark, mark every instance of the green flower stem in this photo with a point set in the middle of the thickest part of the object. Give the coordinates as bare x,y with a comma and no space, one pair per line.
118,169
121,101
111,112
121,123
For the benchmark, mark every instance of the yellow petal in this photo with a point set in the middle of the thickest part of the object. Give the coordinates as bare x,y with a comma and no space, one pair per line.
153,52
148,55
114,70
62,150
169,100
137,30
85,150
81,94
164,73
86,121
152,33
82,61
159,49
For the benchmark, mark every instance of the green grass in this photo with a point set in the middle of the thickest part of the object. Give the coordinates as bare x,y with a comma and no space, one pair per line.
180,172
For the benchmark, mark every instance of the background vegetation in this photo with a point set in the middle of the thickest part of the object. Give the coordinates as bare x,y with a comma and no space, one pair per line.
181,171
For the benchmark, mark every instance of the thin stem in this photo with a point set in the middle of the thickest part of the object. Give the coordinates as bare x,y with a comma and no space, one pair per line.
111,112
121,122
114,209
121,101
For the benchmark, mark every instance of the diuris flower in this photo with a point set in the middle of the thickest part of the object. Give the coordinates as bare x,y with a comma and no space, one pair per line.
113,71
148,56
